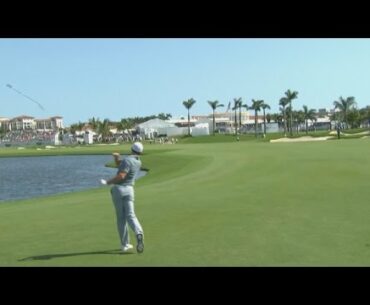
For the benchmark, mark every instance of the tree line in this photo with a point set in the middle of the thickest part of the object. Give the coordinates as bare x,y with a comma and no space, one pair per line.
103,127
347,113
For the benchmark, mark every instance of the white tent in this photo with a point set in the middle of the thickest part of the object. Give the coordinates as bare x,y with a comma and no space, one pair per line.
151,128
200,130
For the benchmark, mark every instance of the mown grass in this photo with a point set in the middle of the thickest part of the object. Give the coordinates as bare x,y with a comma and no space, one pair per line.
244,203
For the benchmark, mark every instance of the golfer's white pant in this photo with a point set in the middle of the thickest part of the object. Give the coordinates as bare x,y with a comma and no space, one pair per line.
123,199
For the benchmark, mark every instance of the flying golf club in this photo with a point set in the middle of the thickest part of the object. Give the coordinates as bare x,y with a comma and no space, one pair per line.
31,99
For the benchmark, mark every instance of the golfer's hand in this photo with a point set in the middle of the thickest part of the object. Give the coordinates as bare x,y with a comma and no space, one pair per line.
103,181
115,155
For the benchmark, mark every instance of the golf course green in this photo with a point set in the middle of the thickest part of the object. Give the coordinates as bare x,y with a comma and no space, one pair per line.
221,203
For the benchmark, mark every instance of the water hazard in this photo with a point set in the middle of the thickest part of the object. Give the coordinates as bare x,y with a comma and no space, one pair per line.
29,177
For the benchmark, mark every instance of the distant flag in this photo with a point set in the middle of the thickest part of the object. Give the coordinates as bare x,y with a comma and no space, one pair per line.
228,107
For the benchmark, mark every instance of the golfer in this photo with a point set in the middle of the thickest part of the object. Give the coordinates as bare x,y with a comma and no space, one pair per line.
122,193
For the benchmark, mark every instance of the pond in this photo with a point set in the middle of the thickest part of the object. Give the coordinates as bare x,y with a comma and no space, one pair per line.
28,177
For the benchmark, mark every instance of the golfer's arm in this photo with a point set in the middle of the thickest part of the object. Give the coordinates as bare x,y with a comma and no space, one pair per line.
120,176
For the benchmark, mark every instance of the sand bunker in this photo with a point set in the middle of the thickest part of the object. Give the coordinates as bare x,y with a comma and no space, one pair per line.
309,138
301,139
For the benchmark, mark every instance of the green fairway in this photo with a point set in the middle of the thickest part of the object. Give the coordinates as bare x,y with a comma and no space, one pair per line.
247,203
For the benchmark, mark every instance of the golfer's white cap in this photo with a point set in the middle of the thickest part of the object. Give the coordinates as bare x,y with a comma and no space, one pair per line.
137,147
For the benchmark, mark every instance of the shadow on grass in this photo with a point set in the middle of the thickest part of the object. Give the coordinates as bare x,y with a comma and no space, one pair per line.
51,256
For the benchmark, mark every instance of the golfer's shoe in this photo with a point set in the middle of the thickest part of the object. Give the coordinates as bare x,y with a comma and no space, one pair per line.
127,247
140,243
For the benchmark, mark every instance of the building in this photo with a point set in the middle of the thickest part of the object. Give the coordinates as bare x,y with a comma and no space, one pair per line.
230,116
25,122
53,123
4,123
199,126
322,112
172,128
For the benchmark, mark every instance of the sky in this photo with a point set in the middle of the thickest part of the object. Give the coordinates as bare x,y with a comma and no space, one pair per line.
119,78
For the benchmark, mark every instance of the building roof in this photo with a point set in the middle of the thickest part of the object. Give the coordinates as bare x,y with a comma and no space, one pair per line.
180,120
23,117
155,123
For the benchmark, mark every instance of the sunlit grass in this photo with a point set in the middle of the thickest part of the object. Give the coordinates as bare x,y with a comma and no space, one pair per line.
245,203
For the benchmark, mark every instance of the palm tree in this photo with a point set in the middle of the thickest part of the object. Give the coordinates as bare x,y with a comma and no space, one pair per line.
354,118
76,127
214,105
104,129
237,102
291,96
344,105
164,116
268,117
283,102
334,117
256,105
122,125
299,118
308,115
276,117
241,105
94,123
73,128
188,104
126,124
130,123
264,107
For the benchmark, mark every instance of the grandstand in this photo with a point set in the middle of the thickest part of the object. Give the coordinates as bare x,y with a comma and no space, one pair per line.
26,130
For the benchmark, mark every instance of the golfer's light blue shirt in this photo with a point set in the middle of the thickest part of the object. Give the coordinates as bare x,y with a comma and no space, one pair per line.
131,166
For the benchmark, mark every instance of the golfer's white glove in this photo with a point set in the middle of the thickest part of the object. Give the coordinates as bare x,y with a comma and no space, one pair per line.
102,181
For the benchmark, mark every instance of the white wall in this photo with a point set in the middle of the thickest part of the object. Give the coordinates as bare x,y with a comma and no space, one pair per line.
200,130
173,131
56,139
88,138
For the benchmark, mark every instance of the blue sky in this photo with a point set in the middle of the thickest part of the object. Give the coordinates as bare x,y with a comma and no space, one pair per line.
117,78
